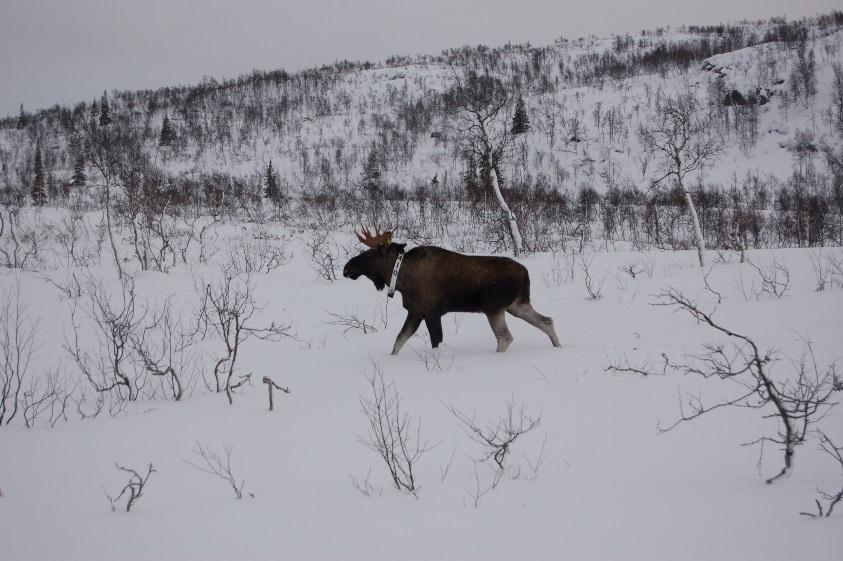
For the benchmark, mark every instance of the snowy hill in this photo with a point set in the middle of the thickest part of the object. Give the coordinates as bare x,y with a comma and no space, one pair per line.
319,126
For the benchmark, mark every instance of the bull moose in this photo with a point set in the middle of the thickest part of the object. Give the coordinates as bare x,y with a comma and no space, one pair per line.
434,281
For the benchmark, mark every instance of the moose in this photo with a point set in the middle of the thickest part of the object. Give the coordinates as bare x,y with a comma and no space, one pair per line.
434,281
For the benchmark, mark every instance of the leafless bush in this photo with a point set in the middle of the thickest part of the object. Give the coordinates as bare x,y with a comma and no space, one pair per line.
48,395
632,269
218,465
436,360
775,278
73,236
258,255
392,434
17,348
561,270
593,286
497,439
828,270
108,366
20,246
364,484
69,287
323,253
165,347
227,309
796,403
208,237
349,321
134,488
831,499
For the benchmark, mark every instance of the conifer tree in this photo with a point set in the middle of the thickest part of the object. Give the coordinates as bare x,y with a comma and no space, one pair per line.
520,121
95,114
470,178
270,182
39,194
372,173
22,118
79,177
167,133
105,113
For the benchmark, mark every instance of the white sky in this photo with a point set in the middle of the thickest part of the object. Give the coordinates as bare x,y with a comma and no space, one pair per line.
70,50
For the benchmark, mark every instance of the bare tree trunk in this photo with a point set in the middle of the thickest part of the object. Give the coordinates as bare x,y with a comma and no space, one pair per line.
698,238
514,232
111,231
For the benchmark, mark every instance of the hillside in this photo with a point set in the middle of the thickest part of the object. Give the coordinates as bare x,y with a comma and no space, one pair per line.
319,126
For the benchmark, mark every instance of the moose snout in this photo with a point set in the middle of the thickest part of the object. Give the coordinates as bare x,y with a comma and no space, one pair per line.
349,272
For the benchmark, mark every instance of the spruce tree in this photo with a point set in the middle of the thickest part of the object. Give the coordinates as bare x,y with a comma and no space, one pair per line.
470,178
270,182
167,133
95,113
39,194
105,113
79,178
520,121
22,118
372,173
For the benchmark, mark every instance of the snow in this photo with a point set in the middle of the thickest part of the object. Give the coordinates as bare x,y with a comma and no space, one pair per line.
611,487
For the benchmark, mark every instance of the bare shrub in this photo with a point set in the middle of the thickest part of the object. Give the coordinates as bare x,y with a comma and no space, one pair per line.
17,348
258,254
47,396
392,434
133,489
796,403
497,438
20,245
73,236
165,347
364,484
775,278
323,253
828,270
349,321
593,287
561,270
437,360
218,465
831,498
227,309
108,365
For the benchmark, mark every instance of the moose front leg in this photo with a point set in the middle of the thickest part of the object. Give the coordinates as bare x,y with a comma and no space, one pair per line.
411,324
434,327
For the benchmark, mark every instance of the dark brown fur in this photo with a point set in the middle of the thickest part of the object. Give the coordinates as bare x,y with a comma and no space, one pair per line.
434,281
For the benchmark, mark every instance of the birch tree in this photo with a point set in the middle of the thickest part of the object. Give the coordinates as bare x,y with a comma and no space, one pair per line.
480,103
684,140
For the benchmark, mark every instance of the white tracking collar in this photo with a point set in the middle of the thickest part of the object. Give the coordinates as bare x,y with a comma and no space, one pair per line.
394,280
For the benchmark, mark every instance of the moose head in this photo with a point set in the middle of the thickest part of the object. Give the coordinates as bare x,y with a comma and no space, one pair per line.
377,262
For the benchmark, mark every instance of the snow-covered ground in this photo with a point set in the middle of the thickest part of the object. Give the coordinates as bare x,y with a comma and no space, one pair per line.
595,480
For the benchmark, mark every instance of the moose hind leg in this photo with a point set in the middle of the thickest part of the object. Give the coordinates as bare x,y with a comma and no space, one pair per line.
498,322
525,311
411,324
434,327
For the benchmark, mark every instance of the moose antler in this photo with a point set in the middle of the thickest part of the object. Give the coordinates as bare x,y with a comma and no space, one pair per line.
379,239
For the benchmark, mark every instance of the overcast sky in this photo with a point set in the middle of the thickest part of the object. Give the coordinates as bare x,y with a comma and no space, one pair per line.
70,50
